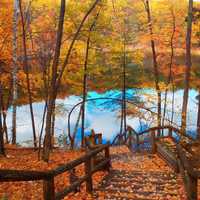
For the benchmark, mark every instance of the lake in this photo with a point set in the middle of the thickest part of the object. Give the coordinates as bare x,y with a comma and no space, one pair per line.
103,115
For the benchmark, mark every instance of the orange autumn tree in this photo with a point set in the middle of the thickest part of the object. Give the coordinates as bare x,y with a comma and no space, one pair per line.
58,73
5,67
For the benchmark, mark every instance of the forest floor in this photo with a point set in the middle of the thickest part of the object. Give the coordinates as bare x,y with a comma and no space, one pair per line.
133,176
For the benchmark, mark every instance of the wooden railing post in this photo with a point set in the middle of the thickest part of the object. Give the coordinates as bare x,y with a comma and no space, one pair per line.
88,171
49,189
153,142
92,137
191,187
100,138
170,132
137,142
107,156
191,182
130,139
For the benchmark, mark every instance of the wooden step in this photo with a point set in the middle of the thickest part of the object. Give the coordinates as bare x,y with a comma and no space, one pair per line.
139,185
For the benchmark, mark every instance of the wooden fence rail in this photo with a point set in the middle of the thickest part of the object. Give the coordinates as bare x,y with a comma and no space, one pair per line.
190,172
48,176
189,168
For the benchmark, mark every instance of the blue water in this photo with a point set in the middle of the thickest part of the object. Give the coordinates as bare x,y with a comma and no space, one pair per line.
103,115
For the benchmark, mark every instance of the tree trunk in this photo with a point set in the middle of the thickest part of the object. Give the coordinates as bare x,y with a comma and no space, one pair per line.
52,91
56,78
85,78
155,63
41,130
5,106
72,138
14,70
26,69
124,86
173,100
170,67
5,129
122,116
123,102
2,150
53,125
46,77
66,60
84,91
198,118
187,68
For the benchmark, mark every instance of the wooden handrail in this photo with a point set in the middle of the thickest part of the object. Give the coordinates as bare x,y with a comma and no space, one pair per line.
150,130
173,129
155,129
189,173
79,161
94,140
187,165
70,188
23,175
48,176
179,161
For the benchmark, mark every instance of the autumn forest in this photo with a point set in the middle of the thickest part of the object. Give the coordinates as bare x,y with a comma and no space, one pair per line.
100,99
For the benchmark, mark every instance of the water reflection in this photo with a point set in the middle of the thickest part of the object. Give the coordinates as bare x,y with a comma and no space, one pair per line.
103,115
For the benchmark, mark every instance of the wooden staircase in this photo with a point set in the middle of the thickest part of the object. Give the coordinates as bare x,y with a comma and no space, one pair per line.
139,176
138,185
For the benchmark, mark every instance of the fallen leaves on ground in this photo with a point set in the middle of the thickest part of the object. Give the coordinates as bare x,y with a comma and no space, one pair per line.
26,159
122,159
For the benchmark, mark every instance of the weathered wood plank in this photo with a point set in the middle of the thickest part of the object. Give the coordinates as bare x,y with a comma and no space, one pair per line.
190,182
167,155
23,175
49,189
60,195
190,175
191,187
107,157
72,187
153,142
77,162
185,161
88,171
101,165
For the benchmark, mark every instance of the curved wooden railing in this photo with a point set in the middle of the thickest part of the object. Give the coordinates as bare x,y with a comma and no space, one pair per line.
147,137
189,164
132,137
184,160
49,175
